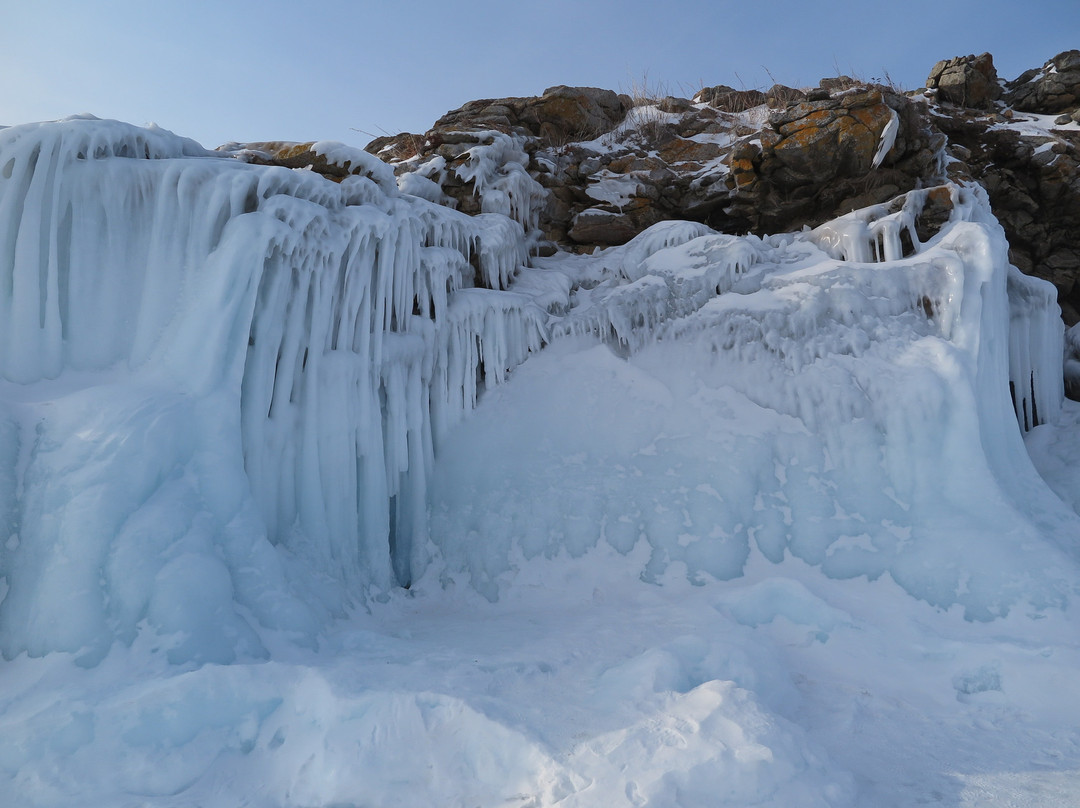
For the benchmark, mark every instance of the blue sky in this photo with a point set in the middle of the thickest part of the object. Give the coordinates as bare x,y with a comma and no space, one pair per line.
219,71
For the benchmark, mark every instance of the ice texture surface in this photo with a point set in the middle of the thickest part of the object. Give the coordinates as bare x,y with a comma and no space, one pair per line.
228,379
853,413
701,520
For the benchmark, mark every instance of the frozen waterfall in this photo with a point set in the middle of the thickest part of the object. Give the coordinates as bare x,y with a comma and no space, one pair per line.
205,360
233,380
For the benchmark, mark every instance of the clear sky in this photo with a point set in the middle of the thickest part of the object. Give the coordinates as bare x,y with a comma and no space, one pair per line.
335,70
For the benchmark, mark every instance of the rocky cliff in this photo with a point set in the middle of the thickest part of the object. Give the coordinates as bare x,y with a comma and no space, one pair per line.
585,167
783,159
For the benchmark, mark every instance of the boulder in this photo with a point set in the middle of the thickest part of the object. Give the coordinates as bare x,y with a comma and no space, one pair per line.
672,104
839,84
1053,88
564,114
967,81
780,96
729,99
604,227
396,148
561,115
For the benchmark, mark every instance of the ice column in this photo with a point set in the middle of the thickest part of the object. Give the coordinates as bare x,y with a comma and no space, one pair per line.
256,359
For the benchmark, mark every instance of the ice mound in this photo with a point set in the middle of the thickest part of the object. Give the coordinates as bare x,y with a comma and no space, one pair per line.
816,395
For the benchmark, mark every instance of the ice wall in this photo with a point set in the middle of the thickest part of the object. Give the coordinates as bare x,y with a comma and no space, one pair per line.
888,232
223,387
838,396
224,379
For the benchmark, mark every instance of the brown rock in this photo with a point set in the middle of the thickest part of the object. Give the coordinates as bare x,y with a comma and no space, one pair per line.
1054,88
298,155
573,113
681,150
395,148
780,96
671,104
729,99
599,226
967,81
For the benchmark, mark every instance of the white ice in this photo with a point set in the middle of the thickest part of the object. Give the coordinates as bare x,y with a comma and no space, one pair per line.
702,520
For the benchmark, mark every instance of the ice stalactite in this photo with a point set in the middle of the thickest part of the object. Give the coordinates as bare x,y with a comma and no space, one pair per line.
888,138
280,355
497,169
1036,340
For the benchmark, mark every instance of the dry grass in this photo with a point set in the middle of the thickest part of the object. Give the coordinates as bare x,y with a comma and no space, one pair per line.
645,122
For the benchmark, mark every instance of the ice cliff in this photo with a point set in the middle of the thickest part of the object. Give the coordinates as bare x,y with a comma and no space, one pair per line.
225,385
226,379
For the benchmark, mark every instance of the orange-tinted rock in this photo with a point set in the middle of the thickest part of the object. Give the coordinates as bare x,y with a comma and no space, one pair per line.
394,149
297,155
681,150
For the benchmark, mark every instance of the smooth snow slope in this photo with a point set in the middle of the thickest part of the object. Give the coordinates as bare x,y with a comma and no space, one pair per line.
757,528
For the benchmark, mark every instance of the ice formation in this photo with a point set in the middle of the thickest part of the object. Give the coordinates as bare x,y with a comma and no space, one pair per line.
857,383
496,167
888,138
283,354
201,355
233,406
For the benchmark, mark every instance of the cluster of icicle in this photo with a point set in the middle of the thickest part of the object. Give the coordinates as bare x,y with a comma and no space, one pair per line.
667,272
497,168
877,234
340,315
648,289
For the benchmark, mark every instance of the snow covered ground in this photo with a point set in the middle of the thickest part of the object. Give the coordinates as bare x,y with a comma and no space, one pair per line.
757,527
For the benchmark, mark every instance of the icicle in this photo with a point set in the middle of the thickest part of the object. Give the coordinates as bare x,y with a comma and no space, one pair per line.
1036,345
334,318
498,172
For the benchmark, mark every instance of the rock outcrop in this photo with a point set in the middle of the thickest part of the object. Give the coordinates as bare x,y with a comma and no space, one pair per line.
561,115
966,81
1055,87
782,159
815,159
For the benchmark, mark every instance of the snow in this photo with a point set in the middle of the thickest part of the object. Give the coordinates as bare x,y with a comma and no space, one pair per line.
1031,124
701,520
888,138
614,189
498,172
